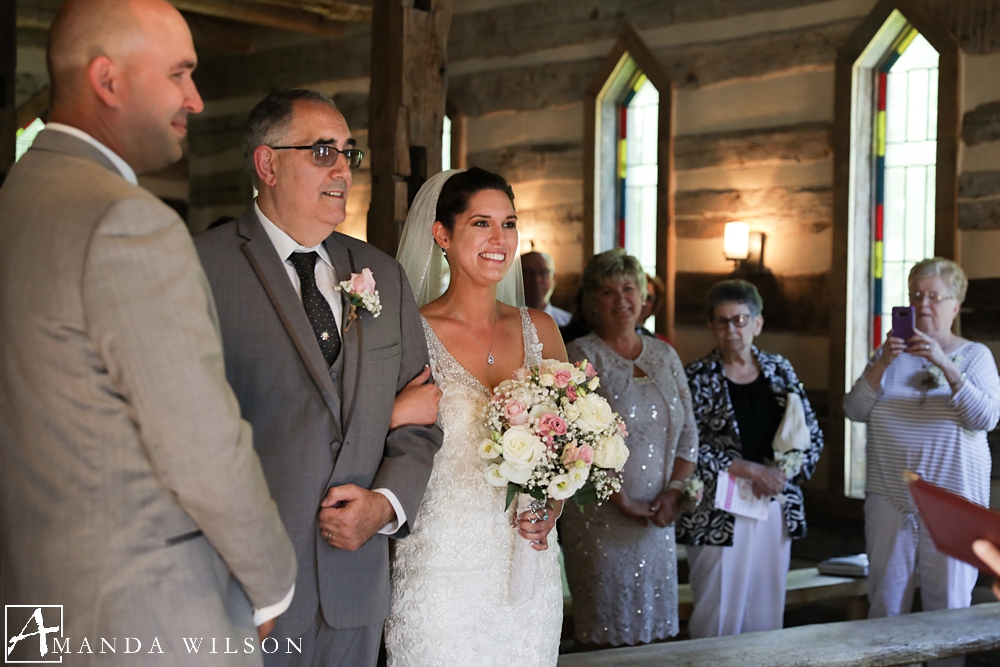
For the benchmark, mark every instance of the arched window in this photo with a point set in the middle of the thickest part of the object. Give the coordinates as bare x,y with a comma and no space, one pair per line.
628,162
895,190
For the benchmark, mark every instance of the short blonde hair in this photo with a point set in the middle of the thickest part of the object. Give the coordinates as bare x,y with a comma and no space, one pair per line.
950,273
614,264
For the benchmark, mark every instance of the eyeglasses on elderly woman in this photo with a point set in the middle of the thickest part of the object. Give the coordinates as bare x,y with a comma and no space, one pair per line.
738,321
933,297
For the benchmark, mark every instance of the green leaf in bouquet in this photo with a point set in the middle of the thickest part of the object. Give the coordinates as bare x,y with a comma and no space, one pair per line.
512,491
586,495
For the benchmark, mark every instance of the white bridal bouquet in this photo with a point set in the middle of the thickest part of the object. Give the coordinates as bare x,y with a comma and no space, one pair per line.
551,436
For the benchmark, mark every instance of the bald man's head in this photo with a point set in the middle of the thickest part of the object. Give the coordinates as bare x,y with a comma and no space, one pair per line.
121,71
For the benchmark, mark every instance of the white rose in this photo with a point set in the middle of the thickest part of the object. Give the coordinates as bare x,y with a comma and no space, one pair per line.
561,487
487,449
578,475
494,476
515,473
611,452
546,379
521,447
594,383
595,413
572,412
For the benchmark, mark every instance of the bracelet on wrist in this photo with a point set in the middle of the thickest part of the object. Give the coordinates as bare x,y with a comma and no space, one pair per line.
960,380
675,485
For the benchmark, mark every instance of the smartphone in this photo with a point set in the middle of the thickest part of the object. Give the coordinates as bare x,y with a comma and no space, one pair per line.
904,320
953,522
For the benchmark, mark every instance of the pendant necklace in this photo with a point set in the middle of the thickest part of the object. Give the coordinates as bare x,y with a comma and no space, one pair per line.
496,318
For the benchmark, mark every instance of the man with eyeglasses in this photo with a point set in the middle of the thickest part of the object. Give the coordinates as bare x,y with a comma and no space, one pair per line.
316,373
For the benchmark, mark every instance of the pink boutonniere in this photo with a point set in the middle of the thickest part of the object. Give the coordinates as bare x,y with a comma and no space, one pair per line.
361,293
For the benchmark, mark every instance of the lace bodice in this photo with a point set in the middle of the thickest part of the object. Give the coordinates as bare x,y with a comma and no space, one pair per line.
450,576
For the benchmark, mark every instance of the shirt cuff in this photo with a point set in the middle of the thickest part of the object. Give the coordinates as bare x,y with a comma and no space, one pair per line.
392,526
270,612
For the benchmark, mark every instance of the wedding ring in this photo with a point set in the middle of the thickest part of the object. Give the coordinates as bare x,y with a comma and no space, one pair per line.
927,346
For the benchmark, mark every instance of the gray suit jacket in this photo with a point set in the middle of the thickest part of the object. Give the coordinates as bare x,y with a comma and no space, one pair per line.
318,427
130,491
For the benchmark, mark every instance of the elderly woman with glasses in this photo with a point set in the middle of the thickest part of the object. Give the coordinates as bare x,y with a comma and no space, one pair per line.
738,565
928,402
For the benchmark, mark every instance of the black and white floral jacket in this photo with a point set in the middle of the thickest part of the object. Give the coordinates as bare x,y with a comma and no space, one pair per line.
719,444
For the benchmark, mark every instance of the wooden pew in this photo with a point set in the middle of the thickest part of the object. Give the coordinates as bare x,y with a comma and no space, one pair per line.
803,587
882,642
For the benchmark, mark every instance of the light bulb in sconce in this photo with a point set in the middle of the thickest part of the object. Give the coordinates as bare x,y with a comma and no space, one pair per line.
736,240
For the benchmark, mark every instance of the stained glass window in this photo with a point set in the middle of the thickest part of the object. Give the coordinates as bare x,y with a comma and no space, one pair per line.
905,159
638,124
26,136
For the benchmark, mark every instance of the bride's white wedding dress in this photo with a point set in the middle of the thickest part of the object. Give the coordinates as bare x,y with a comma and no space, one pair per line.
450,575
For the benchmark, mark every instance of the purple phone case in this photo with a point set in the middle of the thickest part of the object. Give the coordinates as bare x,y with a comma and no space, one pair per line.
903,320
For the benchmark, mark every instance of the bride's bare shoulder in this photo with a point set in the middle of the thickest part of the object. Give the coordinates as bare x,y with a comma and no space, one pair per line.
548,335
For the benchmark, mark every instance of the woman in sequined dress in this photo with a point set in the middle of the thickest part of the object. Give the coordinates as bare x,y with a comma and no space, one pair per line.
620,557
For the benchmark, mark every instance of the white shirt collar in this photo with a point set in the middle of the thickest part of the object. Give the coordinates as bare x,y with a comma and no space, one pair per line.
126,171
285,244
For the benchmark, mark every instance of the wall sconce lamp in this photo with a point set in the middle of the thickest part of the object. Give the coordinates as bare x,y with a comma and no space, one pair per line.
743,247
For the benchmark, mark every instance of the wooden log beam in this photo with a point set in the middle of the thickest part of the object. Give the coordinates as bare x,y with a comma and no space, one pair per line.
533,26
303,64
332,10
37,14
533,162
982,124
975,184
221,34
796,304
546,84
880,642
8,87
808,142
976,23
409,86
979,213
704,213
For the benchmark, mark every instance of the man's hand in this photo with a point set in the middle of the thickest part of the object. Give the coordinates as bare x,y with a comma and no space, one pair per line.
417,403
351,515
264,629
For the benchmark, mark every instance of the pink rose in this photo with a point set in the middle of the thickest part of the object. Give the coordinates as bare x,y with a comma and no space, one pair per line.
584,453
552,424
363,283
589,370
621,429
521,374
571,393
516,412
562,378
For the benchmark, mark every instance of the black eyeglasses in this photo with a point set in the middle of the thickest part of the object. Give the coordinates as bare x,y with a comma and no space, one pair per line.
738,321
326,156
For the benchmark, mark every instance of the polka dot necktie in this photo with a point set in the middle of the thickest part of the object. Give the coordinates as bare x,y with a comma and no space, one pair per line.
317,307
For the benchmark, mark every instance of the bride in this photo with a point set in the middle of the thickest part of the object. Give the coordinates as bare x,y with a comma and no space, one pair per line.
450,575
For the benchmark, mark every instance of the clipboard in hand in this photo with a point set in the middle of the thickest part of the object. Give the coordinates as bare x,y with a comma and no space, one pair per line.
954,522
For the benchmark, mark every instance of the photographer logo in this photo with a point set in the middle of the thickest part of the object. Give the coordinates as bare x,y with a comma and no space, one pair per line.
28,629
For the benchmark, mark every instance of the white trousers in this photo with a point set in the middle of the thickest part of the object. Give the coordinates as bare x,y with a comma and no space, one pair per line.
741,588
902,556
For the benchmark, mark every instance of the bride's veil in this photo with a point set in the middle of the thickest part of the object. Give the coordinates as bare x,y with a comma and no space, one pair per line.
422,259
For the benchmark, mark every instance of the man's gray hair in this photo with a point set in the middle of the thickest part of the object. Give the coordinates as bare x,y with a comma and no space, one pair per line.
270,119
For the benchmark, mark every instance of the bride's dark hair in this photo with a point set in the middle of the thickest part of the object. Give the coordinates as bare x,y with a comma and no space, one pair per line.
458,190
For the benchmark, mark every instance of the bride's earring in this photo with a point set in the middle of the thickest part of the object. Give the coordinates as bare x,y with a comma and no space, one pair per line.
444,251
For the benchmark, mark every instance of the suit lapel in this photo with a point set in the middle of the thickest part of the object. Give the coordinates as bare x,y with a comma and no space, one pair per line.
351,340
271,272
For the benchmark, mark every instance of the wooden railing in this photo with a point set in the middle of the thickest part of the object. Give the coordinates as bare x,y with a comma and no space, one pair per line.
882,642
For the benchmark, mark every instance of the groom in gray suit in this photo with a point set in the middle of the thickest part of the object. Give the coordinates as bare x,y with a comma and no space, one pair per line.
317,375
130,493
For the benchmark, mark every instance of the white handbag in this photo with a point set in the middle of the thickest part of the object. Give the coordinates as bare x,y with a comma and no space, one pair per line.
793,433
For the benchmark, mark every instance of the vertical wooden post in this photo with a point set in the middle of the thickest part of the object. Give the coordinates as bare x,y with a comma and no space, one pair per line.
409,84
8,74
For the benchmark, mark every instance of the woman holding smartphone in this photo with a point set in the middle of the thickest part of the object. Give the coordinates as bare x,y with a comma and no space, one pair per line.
928,402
